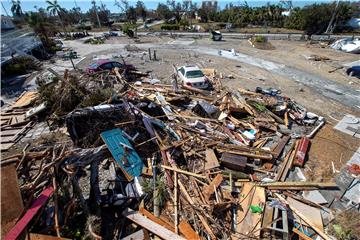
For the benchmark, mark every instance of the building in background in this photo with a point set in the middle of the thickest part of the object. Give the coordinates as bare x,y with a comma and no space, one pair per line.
210,5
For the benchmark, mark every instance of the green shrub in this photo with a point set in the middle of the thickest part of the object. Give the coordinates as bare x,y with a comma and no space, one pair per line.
128,29
94,41
170,27
84,28
18,66
260,39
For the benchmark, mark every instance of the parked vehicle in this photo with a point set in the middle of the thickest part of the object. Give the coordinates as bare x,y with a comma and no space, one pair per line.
353,71
215,35
101,65
192,76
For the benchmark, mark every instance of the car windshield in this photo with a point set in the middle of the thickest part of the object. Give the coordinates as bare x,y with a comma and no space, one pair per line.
94,65
194,74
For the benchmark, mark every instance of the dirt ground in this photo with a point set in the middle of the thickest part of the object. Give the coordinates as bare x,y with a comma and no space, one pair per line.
328,146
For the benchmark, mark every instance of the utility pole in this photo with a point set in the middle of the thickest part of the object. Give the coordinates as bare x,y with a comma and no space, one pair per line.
330,27
97,16
2,4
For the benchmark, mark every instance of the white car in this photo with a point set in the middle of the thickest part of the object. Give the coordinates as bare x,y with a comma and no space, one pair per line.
192,76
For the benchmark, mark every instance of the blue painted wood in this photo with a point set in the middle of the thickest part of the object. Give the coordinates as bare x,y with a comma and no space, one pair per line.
123,152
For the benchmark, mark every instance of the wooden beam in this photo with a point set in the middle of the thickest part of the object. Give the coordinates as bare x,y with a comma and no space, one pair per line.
210,189
202,219
183,172
150,225
301,234
275,185
155,219
176,203
186,229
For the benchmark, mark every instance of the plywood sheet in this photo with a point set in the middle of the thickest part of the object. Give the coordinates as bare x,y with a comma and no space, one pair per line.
311,213
26,99
211,159
11,201
249,222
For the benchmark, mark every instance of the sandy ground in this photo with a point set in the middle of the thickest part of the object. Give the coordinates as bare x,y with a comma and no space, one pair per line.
328,146
253,68
289,53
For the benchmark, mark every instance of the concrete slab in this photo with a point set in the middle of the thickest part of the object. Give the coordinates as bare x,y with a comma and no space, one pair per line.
350,125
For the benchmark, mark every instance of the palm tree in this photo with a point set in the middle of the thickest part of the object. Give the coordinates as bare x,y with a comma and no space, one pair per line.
16,8
40,26
97,15
55,9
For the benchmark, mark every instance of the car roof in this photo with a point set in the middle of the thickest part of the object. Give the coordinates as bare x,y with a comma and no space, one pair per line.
191,67
102,61
355,67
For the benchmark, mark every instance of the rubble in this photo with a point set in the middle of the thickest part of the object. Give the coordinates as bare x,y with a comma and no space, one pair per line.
209,164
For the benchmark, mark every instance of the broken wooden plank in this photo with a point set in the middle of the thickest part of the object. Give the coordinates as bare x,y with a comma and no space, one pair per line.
299,185
150,225
289,163
251,153
202,219
249,223
211,159
280,146
186,229
21,225
267,217
25,99
135,236
155,219
301,235
183,171
210,189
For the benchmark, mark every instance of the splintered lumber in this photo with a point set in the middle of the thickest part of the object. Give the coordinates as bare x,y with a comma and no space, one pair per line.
301,234
280,146
183,171
303,217
202,219
285,163
267,217
298,185
249,223
251,153
25,99
210,189
150,225
186,229
136,235
211,159
155,219
21,225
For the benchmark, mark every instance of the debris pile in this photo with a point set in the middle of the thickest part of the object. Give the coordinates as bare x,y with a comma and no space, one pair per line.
179,162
